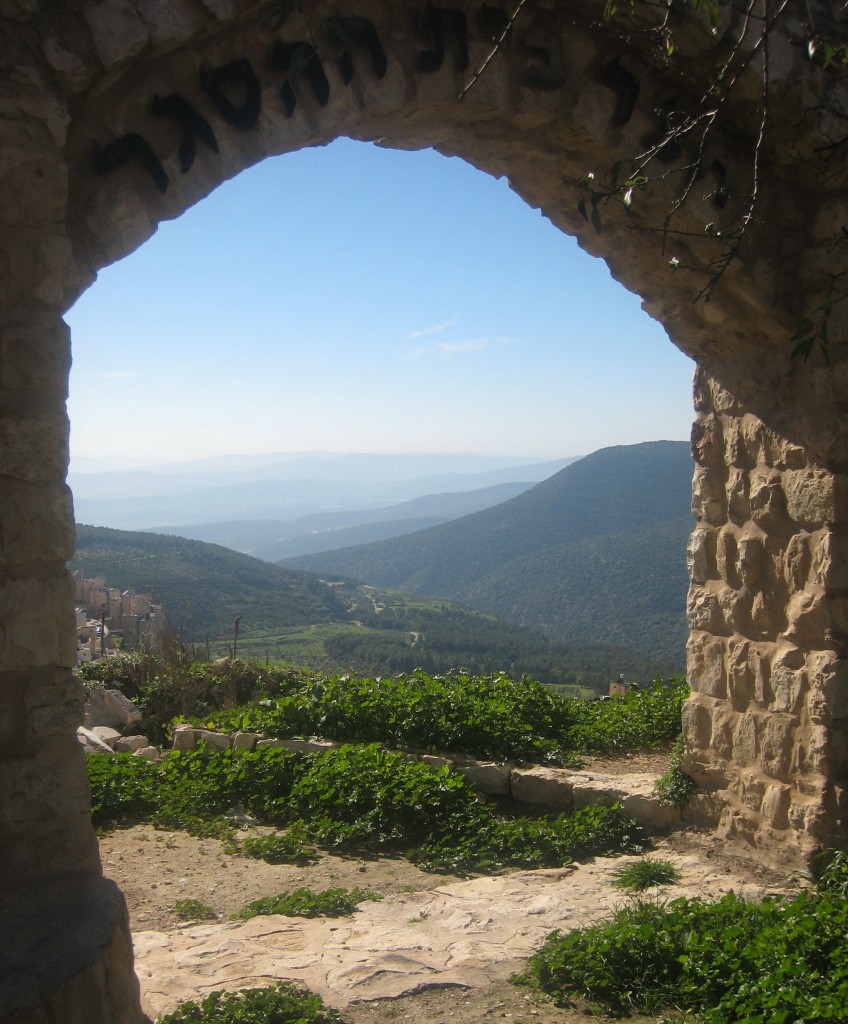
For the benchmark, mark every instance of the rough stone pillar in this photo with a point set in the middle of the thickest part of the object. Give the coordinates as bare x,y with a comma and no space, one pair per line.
766,725
65,952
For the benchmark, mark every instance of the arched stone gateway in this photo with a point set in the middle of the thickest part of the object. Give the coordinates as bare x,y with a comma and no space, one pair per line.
117,114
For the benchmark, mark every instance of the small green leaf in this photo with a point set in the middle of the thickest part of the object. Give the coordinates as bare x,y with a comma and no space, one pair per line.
596,219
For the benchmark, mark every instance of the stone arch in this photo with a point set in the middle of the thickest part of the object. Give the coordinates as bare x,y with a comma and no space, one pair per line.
121,113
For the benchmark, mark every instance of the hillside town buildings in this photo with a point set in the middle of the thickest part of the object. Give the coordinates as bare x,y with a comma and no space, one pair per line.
108,619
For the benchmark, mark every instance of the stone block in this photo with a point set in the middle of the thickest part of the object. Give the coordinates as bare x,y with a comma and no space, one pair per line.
736,607
776,745
130,744
697,724
107,734
215,740
788,689
775,806
309,746
726,556
751,560
828,677
185,737
706,666
709,500
809,496
745,743
703,611
546,787
738,502
797,560
808,619
698,555
35,448
830,558
36,623
38,523
768,502
487,777
245,741
149,753
435,762
112,708
91,742
740,676
707,441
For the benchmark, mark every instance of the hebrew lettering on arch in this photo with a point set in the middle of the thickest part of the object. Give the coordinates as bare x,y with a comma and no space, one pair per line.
626,88
296,61
238,75
193,125
127,149
545,49
357,33
437,22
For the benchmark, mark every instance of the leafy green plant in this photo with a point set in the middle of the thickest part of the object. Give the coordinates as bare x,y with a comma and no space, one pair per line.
122,788
674,786
487,716
732,961
281,1003
363,799
639,720
307,903
281,848
194,910
646,873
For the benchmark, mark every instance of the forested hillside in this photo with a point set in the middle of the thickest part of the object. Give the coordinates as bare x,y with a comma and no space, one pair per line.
203,586
296,618
595,553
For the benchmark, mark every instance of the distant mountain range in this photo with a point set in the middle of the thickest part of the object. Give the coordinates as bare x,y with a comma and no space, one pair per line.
275,539
594,554
283,487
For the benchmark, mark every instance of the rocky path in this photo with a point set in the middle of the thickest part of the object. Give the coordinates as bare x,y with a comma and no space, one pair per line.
464,935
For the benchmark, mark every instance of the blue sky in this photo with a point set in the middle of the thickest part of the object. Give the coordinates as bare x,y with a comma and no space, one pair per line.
353,299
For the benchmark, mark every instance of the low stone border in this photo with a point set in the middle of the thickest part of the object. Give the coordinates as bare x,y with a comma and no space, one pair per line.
554,789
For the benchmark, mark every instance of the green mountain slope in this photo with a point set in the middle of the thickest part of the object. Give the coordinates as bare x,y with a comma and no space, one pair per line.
296,618
590,553
203,586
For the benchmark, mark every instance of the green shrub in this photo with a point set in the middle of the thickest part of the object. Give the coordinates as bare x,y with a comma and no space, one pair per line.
486,716
775,962
194,910
282,1003
637,721
121,788
356,798
281,848
674,786
307,903
646,873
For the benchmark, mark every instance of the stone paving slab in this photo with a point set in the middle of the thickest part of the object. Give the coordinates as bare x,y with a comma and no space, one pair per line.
464,934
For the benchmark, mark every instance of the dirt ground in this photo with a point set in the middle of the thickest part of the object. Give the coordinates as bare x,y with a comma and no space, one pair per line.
155,869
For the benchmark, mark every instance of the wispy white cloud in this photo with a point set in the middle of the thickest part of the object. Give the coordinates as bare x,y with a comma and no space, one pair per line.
456,348
435,329
452,348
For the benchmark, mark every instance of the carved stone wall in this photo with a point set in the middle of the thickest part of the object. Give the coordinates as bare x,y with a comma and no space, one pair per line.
118,114
766,725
